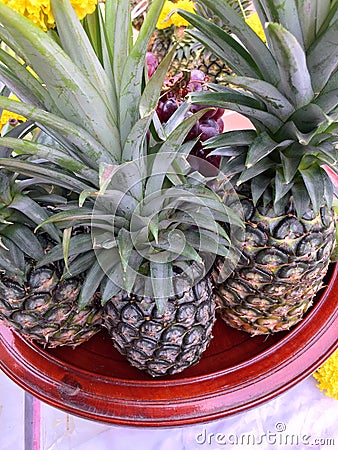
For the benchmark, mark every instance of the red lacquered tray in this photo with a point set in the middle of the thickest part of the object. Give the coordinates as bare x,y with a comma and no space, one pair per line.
237,372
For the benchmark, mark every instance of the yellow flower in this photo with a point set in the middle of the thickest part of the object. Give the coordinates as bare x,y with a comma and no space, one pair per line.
7,115
254,23
167,19
40,11
327,375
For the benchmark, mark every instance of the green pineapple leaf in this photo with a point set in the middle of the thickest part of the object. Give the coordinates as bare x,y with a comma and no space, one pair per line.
76,44
133,72
261,147
84,103
52,154
322,56
232,138
295,79
119,37
81,243
275,101
256,48
23,83
50,175
26,205
90,285
88,148
311,15
23,237
288,17
313,180
161,279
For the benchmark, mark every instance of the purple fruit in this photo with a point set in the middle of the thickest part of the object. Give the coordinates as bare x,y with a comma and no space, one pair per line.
207,132
152,63
219,113
197,75
168,109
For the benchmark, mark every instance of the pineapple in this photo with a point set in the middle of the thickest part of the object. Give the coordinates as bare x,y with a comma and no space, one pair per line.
288,88
37,301
154,221
190,53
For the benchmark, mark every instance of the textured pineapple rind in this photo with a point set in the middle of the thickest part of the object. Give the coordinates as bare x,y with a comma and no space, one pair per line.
162,344
45,310
284,260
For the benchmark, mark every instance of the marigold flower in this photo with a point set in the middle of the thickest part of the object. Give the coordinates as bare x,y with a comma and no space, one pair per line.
168,17
40,11
254,23
327,376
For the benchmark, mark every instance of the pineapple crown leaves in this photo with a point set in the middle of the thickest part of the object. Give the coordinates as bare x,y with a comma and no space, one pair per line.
86,89
144,231
289,93
20,212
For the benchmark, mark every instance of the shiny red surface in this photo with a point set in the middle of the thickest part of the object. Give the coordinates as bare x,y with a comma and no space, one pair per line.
236,372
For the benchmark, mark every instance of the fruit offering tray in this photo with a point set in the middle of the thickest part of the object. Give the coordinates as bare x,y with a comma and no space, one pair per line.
237,372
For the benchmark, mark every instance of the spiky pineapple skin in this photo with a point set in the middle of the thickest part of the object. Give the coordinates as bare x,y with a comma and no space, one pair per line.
162,344
284,260
44,309
189,55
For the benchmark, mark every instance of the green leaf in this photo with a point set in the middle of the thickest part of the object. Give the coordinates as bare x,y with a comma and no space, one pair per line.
133,71
231,138
133,147
162,284
312,14
262,166
248,107
286,14
281,187
295,79
88,149
35,212
274,100
119,36
290,164
322,57
67,233
259,185
108,290
256,48
177,118
90,285
313,180
23,83
152,90
328,189
223,45
23,237
51,176
74,94
79,265
9,266
261,147
78,244
300,197
167,153
76,44
125,246
52,154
